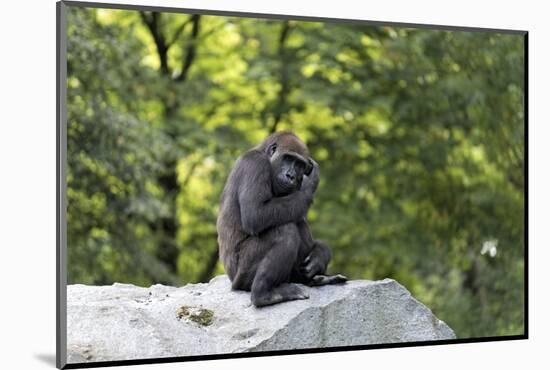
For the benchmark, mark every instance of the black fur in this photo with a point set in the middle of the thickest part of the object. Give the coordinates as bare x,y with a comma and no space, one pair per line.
264,239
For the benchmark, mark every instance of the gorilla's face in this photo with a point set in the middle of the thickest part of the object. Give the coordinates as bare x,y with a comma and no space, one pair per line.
288,170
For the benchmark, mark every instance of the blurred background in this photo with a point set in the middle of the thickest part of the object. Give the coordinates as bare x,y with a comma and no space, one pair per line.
419,135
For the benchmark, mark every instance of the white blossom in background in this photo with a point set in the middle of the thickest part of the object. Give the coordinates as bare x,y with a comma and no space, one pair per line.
490,246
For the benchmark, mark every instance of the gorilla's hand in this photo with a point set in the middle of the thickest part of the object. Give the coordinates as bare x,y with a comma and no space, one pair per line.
311,181
312,265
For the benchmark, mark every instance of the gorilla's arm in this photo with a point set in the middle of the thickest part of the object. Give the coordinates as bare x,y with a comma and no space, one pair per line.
316,256
313,261
259,209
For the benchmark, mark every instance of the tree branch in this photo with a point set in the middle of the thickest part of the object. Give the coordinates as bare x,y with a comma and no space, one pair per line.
178,32
153,24
191,49
145,18
284,77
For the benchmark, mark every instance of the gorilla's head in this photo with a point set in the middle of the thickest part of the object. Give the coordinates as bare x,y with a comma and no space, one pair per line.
290,161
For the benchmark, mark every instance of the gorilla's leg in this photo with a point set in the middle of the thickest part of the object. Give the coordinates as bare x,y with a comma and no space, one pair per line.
271,282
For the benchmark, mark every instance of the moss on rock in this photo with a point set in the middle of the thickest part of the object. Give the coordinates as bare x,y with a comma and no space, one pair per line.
201,316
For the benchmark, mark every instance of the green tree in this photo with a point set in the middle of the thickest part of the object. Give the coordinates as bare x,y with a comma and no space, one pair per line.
419,135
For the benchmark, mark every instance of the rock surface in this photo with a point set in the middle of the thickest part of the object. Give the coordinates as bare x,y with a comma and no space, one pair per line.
122,322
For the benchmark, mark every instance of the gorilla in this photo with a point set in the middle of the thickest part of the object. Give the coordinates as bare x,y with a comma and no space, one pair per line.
264,240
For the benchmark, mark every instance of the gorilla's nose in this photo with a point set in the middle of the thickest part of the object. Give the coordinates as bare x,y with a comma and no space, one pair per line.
290,177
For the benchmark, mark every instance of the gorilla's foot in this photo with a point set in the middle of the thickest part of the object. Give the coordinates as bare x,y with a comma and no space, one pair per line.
318,280
282,293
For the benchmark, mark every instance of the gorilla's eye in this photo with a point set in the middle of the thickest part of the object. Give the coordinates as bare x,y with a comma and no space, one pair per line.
300,165
272,149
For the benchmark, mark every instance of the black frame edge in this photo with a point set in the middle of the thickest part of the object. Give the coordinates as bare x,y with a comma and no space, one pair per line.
61,156
526,184
61,167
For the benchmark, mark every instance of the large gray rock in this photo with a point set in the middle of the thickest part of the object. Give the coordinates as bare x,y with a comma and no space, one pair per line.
122,322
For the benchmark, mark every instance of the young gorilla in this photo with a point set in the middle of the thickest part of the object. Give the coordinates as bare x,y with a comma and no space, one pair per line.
264,239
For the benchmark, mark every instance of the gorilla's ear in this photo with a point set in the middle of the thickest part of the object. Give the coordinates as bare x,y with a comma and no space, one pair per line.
309,167
271,150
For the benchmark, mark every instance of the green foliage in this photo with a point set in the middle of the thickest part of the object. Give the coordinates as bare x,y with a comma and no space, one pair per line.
419,135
